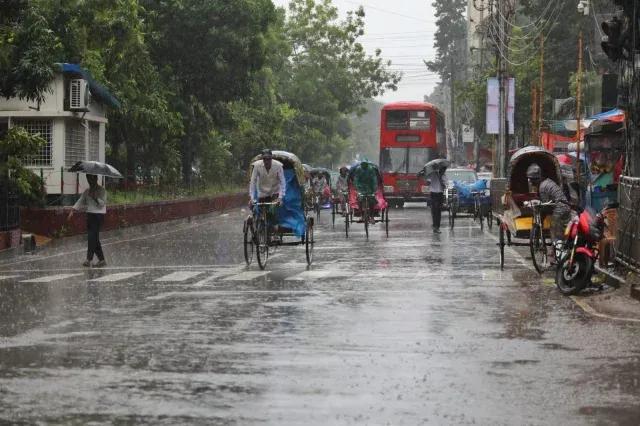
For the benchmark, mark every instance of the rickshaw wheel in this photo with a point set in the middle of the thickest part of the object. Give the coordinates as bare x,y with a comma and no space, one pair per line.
490,220
248,245
346,225
333,214
386,220
262,243
538,247
365,215
309,242
501,244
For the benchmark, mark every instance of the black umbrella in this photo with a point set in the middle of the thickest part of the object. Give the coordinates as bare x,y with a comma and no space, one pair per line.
433,165
95,168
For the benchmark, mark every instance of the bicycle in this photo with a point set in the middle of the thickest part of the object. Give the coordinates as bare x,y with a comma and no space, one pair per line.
477,207
537,240
363,203
317,207
262,233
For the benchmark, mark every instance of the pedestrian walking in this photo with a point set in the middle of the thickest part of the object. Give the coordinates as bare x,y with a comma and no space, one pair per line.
437,187
94,201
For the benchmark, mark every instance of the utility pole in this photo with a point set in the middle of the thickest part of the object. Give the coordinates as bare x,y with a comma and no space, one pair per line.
541,97
453,107
534,123
501,64
579,107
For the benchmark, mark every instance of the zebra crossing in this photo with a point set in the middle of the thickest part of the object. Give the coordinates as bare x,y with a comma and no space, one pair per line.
230,275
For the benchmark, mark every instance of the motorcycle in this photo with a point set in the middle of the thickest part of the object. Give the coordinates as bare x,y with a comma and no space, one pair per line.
576,255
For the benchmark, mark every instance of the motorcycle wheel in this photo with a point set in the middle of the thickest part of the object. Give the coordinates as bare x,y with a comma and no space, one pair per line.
572,279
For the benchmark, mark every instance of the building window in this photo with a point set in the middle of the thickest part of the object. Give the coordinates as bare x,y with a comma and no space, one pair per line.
94,142
75,148
43,128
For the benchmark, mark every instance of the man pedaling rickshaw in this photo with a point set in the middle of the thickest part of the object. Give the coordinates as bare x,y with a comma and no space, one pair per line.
549,191
342,187
319,184
268,179
365,181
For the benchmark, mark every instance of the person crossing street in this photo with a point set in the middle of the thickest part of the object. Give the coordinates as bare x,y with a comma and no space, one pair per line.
94,201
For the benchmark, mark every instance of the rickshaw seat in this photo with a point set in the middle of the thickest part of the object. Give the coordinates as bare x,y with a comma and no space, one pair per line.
520,199
609,237
353,198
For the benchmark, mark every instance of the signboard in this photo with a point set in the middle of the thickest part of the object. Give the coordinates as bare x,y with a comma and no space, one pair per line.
493,101
407,138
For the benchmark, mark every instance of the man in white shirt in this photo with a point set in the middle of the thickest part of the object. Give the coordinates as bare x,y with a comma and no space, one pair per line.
268,179
319,184
437,187
94,200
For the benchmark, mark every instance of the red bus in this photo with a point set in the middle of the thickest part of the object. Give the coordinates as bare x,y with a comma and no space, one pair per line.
411,134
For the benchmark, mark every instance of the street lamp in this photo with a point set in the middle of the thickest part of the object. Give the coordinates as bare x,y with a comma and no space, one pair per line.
583,7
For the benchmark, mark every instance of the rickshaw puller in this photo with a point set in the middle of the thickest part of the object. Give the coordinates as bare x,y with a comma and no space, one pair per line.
319,184
268,177
365,181
549,191
342,187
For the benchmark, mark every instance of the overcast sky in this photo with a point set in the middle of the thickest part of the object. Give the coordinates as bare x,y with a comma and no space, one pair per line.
404,30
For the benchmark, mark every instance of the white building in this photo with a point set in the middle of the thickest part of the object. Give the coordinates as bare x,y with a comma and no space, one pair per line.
477,13
71,119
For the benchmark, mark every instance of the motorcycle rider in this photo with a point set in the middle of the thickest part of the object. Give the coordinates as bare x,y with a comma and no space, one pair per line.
549,191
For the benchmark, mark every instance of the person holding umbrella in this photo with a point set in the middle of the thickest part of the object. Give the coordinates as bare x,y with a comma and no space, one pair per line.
433,172
94,201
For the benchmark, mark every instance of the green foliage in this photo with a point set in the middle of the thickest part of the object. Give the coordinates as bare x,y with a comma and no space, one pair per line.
450,36
204,84
15,145
28,49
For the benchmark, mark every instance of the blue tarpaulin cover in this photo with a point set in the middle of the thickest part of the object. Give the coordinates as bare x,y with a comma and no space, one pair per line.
465,190
291,215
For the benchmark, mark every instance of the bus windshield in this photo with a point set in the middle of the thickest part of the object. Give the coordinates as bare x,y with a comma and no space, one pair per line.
408,120
404,160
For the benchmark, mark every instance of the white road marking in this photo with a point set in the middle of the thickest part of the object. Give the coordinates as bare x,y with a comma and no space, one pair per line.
497,275
308,276
179,276
116,277
517,255
205,293
7,277
120,268
246,276
50,278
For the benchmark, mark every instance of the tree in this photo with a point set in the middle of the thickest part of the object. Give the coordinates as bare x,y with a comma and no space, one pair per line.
107,37
450,37
208,51
16,144
28,49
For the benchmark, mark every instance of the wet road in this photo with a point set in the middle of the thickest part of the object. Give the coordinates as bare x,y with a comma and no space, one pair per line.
411,329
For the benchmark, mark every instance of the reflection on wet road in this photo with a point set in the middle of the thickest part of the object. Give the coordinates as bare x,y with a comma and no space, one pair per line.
411,329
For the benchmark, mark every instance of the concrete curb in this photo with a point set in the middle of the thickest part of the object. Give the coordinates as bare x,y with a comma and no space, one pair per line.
612,279
14,252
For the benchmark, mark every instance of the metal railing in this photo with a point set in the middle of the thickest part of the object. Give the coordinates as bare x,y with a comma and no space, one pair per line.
9,205
628,224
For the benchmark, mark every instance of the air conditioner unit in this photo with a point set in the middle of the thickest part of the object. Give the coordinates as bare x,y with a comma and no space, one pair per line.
79,95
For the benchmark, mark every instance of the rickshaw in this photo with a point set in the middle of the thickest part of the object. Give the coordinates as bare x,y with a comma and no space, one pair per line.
323,202
336,204
293,224
380,210
516,207
468,198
